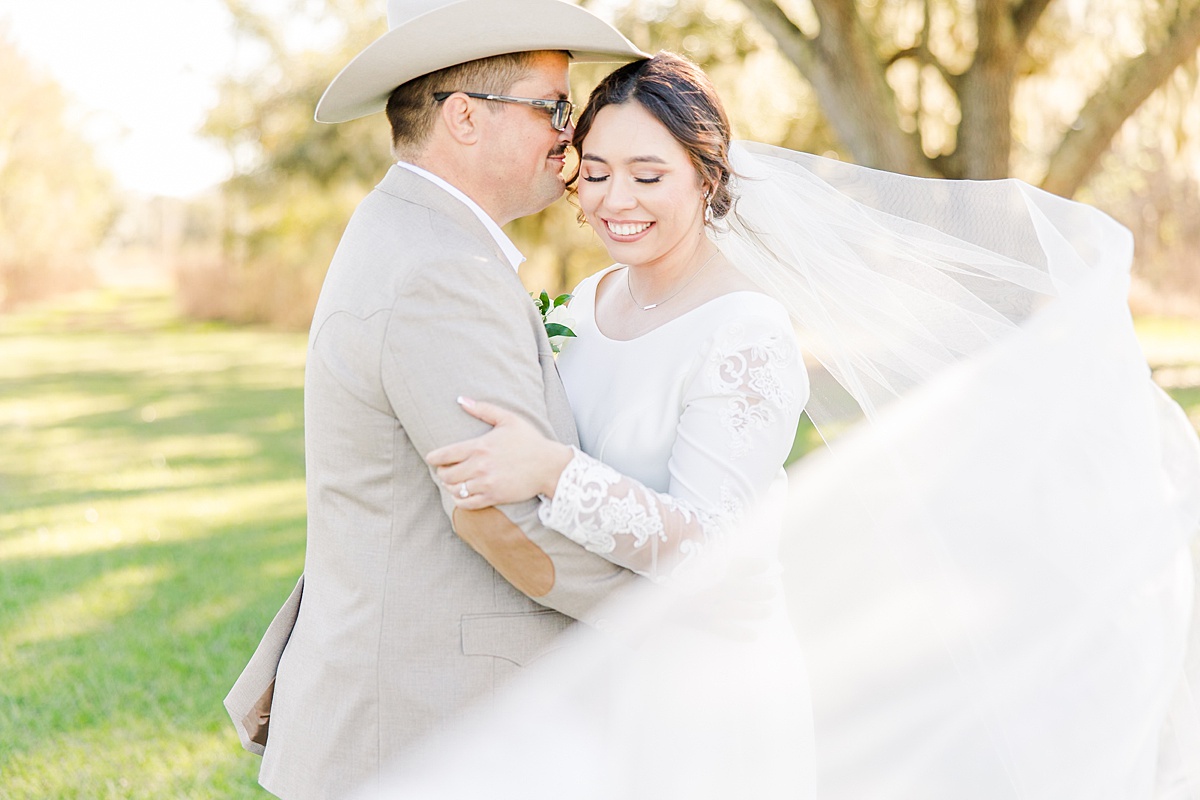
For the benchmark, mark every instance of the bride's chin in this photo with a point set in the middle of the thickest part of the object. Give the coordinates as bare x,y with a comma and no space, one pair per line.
623,253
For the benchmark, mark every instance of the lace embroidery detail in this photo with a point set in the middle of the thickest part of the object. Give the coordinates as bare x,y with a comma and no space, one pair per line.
608,514
740,403
741,416
581,492
627,515
751,373
765,381
731,503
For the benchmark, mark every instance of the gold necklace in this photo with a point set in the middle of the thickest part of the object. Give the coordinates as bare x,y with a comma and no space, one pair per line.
672,294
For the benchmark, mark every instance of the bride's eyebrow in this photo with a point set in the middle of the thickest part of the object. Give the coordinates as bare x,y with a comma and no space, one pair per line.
633,160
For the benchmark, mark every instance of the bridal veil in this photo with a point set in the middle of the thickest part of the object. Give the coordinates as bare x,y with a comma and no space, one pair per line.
989,571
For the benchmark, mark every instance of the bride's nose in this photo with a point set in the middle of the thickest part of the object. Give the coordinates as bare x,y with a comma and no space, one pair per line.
619,197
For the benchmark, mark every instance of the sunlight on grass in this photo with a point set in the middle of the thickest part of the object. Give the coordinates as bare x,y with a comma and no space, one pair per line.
89,608
59,409
1172,346
150,518
1169,342
152,521
134,766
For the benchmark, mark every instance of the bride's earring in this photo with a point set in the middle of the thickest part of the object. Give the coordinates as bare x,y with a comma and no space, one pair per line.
708,215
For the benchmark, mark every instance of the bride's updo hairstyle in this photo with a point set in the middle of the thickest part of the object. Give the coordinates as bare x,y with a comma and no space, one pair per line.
680,96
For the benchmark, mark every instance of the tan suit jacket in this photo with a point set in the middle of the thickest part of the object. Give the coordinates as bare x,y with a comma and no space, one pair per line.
397,624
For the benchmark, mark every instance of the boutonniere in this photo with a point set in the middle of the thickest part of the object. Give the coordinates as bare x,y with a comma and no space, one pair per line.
556,318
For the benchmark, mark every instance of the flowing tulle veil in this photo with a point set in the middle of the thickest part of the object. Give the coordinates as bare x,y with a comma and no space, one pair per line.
1012,541
990,570
891,278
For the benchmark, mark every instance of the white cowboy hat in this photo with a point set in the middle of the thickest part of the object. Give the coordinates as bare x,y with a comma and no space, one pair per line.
428,35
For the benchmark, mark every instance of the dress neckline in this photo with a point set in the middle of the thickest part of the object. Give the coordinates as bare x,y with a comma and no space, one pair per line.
596,324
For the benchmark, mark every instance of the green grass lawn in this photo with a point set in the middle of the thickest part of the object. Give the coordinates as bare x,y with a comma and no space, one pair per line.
151,522
1172,347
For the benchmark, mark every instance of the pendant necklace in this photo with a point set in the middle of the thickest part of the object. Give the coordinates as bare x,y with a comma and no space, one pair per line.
672,294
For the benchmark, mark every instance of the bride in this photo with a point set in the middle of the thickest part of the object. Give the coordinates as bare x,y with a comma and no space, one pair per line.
685,379
990,579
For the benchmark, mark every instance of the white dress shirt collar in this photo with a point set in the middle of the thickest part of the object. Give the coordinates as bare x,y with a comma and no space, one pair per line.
514,256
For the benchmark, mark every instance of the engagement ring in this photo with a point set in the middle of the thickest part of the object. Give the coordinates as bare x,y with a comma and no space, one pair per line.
462,491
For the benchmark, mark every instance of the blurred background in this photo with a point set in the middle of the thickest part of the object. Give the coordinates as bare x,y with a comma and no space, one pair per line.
175,140
168,208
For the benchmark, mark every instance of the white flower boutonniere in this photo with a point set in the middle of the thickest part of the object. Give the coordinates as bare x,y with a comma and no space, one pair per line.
556,318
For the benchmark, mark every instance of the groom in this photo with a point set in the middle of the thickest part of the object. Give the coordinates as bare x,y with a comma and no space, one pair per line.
397,623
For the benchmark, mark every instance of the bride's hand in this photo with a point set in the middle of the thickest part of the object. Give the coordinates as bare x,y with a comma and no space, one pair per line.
510,463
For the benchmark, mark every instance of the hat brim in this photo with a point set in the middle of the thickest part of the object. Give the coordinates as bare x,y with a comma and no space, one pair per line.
465,31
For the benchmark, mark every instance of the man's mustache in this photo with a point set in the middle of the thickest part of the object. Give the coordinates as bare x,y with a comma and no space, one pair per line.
559,150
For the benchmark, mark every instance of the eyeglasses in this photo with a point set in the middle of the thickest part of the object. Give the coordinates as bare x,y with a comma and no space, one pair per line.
560,110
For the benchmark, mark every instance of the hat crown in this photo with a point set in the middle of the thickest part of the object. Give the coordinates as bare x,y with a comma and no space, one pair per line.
401,11
425,36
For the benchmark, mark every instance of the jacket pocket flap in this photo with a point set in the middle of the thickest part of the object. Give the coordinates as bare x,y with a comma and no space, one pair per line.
519,637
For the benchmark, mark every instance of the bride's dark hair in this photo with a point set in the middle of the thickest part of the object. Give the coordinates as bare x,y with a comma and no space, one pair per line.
683,99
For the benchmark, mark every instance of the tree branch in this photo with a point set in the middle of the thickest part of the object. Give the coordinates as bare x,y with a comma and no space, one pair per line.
917,52
843,66
793,43
1025,17
922,55
1128,86
256,24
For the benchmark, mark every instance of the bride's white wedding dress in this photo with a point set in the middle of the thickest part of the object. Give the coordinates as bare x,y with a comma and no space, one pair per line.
991,582
682,429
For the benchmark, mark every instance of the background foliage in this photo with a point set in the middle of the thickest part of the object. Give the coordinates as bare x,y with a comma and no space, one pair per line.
1098,99
56,204
1094,99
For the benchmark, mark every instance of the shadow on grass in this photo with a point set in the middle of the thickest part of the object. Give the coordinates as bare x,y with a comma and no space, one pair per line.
151,523
151,504
160,651
227,428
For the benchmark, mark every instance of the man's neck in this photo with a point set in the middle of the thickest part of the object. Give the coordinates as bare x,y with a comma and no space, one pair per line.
460,179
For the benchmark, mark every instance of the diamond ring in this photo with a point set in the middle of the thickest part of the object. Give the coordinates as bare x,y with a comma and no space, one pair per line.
462,490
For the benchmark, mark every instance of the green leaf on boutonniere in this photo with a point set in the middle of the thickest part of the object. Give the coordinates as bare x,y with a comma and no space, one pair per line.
547,307
556,329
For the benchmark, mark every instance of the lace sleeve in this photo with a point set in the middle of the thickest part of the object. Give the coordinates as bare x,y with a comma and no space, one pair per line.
737,424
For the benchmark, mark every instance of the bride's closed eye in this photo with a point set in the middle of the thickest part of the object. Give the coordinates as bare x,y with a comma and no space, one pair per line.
602,178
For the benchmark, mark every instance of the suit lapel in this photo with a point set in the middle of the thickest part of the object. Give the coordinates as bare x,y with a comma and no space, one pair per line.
418,189
414,188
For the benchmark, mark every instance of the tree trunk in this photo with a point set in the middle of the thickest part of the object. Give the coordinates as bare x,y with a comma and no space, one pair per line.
1126,89
845,71
848,73
985,96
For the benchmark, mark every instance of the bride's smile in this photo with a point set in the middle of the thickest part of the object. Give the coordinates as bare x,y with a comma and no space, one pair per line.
640,191
626,231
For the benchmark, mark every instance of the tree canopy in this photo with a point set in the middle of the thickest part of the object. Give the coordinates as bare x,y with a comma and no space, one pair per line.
55,200
928,87
1062,93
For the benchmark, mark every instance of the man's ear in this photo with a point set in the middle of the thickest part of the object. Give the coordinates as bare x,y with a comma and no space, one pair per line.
458,114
